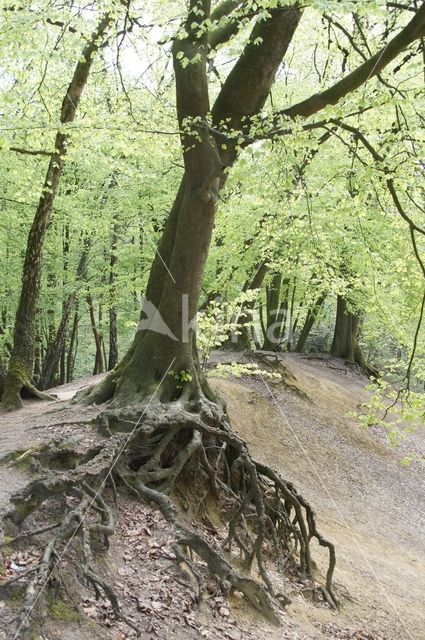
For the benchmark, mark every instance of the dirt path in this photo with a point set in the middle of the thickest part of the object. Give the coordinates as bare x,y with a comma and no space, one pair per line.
34,425
366,501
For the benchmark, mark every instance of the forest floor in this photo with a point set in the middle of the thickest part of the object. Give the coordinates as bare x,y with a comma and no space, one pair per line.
369,504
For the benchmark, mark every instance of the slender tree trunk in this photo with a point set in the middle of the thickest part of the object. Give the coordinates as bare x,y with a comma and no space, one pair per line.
283,310
38,354
292,324
73,345
57,347
62,362
2,365
102,341
21,362
245,336
274,319
113,333
50,323
312,314
99,365
2,376
62,359
113,338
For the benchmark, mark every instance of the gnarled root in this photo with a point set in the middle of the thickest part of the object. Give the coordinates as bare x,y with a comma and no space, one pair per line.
87,518
17,381
150,452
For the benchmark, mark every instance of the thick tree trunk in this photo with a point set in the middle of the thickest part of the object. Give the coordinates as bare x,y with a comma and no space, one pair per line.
21,361
345,333
175,280
345,342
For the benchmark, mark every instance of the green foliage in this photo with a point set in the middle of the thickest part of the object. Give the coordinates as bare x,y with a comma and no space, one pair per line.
61,610
398,412
317,211
217,322
182,377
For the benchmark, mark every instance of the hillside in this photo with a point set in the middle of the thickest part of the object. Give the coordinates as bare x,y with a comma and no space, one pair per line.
366,502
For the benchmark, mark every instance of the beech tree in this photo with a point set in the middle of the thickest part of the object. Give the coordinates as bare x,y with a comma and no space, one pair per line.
161,420
178,268
162,367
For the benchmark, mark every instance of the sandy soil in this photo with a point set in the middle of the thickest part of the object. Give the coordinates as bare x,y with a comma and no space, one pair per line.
366,502
370,505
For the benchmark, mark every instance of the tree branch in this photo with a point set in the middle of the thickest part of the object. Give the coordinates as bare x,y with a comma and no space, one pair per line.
30,152
398,5
414,30
224,9
62,25
389,181
227,30
248,84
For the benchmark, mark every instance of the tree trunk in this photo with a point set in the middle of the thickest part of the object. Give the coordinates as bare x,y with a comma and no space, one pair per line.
99,365
345,342
175,280
56,349
244,336
183,438
21,361
62,358
72,349
312,314
62,363
113,333
345,333
274,318
2,376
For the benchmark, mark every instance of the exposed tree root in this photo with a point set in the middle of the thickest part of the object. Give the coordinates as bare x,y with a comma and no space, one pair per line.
273,363
149,451
17,384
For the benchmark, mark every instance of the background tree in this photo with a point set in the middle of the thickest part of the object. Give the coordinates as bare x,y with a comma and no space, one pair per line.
22,357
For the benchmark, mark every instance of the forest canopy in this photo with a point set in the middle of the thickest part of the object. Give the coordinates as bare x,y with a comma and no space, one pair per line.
310,200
